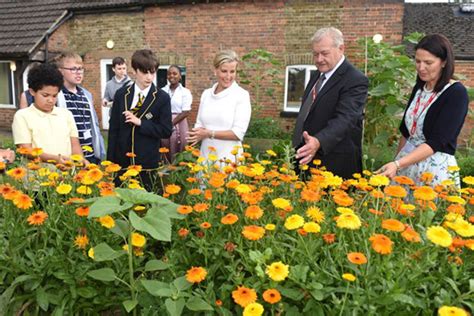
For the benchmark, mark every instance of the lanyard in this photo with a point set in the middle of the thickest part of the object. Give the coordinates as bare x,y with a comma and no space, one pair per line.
417,108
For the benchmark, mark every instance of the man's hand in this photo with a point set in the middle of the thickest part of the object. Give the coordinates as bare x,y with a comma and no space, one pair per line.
131,118
307,152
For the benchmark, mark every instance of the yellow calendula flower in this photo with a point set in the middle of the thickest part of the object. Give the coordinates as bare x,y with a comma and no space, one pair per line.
315,214
107,221
344,210
130,173
270,227
271,153
277,271
439,236
212,157
468,180
349,277
43,172
138,240
253,309
451,311
349,221
139,208
243,188
90,253
87,148
379,180
462,227
294,222
456,199
448,182
84,189
106,163
453,168
63,189
312,227
53,176
281,203
76,158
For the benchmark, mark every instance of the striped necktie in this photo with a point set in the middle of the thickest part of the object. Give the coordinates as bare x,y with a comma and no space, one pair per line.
139,103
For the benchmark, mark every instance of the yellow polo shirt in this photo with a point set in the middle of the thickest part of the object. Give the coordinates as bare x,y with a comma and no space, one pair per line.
50,131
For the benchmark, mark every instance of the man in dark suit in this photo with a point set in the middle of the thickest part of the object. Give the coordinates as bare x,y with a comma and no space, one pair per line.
329,124
140,118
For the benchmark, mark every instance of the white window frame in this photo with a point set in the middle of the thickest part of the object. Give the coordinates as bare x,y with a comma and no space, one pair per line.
103,82
308,69
12,76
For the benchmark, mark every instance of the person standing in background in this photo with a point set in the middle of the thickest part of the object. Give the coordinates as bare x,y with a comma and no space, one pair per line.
119,67
181,100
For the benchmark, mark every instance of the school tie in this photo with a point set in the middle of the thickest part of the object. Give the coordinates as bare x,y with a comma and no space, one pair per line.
304,111
139,103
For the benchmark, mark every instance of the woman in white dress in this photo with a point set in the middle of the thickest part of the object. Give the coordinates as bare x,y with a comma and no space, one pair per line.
434,117
224,111
181,100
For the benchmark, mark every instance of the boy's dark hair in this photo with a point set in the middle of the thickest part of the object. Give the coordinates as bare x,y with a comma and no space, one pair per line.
145,61
439,46
117,61
44,75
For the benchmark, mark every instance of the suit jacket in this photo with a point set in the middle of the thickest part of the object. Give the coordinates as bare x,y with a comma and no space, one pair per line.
336,118
144,141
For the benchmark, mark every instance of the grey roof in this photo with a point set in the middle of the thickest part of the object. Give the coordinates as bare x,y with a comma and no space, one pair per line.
442,18
23,23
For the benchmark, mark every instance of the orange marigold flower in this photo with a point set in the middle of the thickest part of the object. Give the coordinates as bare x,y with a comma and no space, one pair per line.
163,150
409,234
205,225
208,194
184,209
201,207
23,201
229,219
183,232
37,218
194,192
356,258
6,188
172,189
457,209
252,197
310,195
218,303
82,211
403,180
95,174
81,241
112,168
377,194
395,191
375,212
253,212
196,275
329,238
424,193
12,195
17,173
426,177
244,296
253,232
393,225
130,155
343,199
271,296
381,243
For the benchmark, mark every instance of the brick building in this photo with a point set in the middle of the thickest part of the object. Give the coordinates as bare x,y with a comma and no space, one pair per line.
189,33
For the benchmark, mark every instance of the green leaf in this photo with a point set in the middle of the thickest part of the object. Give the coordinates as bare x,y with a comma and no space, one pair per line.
156,223
182,284
471,285
138,196
317,295
299,272
42,298
155,265
104,274
169,208
107,205
121,228
86,292
103,252
291,293
157,288
175,308
198,304
129,305
402,298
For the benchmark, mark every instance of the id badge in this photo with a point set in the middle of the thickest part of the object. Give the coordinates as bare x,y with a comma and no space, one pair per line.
87,134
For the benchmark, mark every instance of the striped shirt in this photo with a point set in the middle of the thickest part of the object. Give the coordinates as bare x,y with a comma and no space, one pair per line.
78,104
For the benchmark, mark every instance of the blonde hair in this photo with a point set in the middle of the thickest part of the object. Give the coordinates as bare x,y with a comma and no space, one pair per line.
225,56
59,60
334,33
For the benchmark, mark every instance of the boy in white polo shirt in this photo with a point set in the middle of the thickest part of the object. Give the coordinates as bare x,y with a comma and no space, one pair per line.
43,125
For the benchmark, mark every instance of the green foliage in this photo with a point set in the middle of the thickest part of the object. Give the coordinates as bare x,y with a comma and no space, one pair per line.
391,76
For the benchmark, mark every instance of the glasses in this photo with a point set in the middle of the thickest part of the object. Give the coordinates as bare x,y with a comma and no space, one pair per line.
76,70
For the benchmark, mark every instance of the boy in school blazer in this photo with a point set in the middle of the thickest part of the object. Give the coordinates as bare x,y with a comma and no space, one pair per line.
140,118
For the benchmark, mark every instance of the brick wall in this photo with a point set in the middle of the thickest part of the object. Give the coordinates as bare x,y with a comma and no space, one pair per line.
466,69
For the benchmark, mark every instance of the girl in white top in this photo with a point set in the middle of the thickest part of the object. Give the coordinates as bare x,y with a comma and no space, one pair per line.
224,111
181,100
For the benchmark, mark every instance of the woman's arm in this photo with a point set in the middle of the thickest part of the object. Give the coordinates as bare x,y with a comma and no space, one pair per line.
181,116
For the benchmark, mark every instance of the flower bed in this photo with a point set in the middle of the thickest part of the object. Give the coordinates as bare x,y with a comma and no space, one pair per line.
245,238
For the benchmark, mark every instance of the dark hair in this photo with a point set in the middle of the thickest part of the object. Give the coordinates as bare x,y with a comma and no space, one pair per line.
44,75
117,61
176,67
439,46
145,61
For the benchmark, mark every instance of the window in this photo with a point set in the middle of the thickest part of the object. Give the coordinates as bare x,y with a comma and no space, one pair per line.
161,80
7,89
296,79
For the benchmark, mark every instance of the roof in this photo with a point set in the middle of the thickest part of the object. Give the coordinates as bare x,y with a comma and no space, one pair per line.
444,18
23,23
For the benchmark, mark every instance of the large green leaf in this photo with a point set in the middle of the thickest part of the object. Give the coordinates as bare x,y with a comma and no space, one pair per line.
175,308
198,304
121,228
156,223
169,208
157,288
155,265
42,298
129,305
103,252
107,205
104,274
138,196
182,284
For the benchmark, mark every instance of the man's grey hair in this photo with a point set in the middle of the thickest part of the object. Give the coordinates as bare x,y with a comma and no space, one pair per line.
332,32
